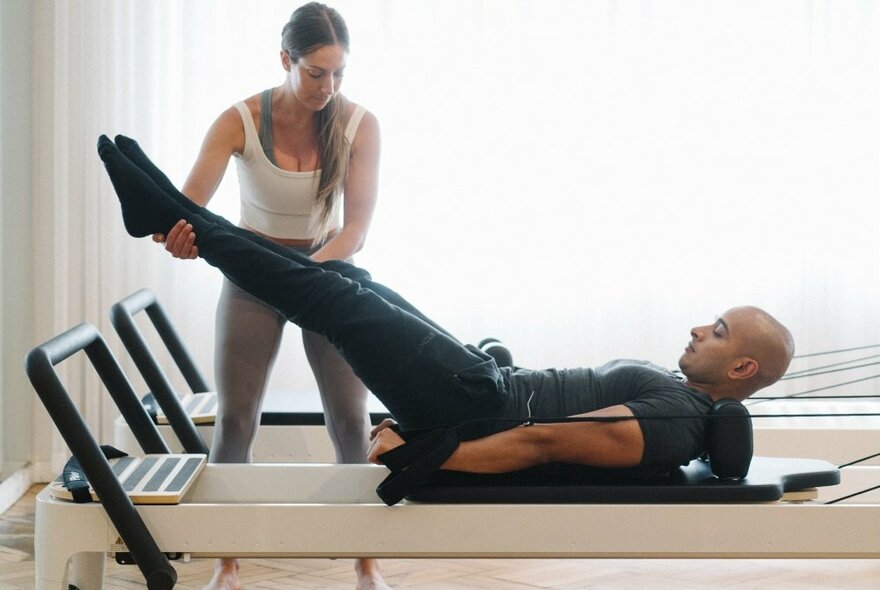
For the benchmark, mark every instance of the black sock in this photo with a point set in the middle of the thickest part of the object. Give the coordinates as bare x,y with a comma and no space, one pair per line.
132,151
146,209
136,155
139,158
151,204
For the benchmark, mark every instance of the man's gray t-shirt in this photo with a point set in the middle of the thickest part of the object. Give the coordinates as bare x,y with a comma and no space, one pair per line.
668,411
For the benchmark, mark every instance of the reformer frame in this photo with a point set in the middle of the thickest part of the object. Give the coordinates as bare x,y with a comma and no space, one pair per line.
311,510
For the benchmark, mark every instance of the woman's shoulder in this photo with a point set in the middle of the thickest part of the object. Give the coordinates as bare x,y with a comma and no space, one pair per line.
361,124
228,131
252,103
231,118
353,109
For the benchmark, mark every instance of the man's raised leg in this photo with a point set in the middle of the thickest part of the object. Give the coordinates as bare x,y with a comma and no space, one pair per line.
132,150
422,375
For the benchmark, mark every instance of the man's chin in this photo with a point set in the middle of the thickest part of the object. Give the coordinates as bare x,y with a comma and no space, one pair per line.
682,364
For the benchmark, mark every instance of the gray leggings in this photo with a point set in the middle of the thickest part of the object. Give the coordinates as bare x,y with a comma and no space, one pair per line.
247,341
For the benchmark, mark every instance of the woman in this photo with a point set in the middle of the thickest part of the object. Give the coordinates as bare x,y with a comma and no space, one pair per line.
305,157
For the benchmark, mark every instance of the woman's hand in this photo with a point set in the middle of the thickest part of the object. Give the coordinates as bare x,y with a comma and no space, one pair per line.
180,241
382,440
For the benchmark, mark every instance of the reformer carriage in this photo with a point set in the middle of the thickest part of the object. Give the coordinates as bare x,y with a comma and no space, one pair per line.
319,510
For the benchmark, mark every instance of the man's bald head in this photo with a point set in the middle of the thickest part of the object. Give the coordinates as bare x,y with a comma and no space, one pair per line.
744,350
769,342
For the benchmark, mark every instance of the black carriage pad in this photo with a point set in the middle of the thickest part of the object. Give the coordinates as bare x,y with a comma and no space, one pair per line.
768,479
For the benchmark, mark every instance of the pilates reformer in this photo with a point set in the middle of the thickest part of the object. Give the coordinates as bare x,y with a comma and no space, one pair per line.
310,510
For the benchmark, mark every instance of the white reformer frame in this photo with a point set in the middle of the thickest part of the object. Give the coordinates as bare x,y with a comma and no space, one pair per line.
319,510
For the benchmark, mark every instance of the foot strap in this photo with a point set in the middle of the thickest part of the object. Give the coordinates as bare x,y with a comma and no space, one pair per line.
75,478
413,464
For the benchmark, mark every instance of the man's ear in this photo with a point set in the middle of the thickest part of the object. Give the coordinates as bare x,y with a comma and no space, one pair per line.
745,368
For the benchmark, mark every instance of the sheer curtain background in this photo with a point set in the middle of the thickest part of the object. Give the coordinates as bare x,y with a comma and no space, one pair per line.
585,180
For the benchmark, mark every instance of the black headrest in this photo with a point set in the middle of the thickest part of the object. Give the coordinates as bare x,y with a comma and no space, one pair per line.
729,443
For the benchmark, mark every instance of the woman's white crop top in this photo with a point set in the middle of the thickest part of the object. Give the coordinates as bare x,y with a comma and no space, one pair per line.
277,202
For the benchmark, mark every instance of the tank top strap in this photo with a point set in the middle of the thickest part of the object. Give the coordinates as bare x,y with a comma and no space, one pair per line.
265,131
251,139
354,122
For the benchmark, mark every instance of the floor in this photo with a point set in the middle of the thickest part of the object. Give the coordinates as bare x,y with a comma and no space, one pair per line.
17,570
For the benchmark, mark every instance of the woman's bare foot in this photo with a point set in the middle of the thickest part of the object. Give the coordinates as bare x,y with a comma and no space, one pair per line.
369,576
225,576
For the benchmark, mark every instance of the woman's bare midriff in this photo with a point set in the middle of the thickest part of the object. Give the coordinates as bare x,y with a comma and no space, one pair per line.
297,243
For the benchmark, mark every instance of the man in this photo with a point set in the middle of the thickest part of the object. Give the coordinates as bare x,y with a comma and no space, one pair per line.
426,378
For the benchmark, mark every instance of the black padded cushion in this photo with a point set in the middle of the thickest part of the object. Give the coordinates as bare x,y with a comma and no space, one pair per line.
767,480
729,442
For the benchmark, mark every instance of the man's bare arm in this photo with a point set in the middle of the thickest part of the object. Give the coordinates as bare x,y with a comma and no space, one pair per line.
599,444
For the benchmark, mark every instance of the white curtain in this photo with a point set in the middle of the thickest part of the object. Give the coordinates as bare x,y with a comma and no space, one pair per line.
585,180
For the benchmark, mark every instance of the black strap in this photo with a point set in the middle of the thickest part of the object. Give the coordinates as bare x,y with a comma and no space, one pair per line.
75,478
414,463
